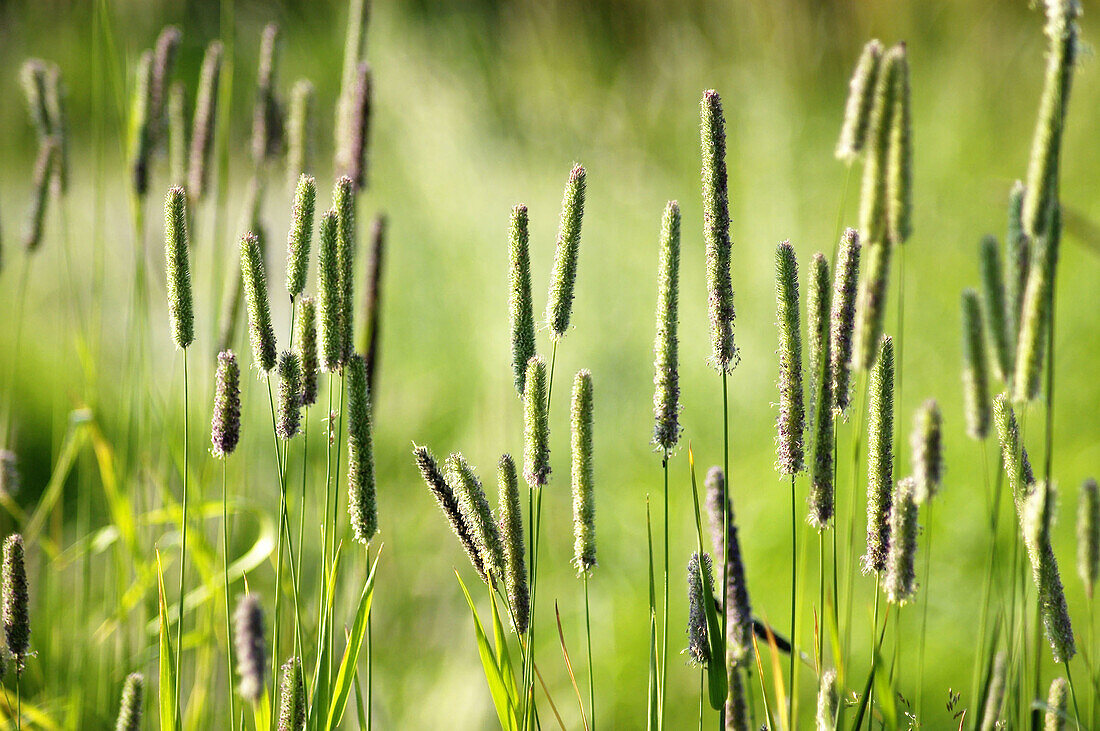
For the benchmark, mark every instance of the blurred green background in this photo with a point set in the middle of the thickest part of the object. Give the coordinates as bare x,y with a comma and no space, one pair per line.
478,106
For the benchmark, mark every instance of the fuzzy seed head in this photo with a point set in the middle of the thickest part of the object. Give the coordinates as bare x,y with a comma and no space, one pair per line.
328,294
448,503
1037,311
290,395
584,506
842,319
202,128
993,291
306,347
901,575
1018,257
351,154
1057,713
899,169
536,425
1014,455
698,650
10,480
248,633
828,701
177,268
926,443
1037,518
559,304
738,607
343,202
520,312
476,513
871,306
267,114
301,232
44,165
737,712
141,136
792,416
975,368
716,232
16,602
292,697
164,63
372,297
817,328
1088,535
300,132
261,333
59,127
225,425
880,457
666,347
362,506
129,706
177,134
511,532
857,111
994,699
822,499
873,225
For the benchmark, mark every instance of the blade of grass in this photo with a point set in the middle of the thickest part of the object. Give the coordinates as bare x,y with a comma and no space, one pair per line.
346,675
167,681
777,676
569,667
505,708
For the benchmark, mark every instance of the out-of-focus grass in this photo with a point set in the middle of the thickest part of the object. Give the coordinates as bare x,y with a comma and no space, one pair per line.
482,106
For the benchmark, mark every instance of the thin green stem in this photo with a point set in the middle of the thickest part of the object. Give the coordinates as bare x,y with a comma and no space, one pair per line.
794,597
820,599
664,609
228,622
1073,694
924,614
857,437
725,514
275,648
874,652
18,701
591,668
183,545
370,657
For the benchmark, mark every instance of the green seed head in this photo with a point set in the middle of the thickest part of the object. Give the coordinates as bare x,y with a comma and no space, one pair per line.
520,312
301,231
1057,713
926,443
857,112
842,319
822,502
448,503
129,706
362,506
536,425
698,650
202,128
476,514
899,170
16,602
993,291
267,114
164,63
177,267
560,302
248,633
300,132
351,153
1036,313
975,367
1038,516
871,306
873,225
306,347
44,165
666,347
290,395
343,202
828,701
880,457
792,417
1018,257
511,532
371,332
1088,535
328,294
738,606
817,329
716,232
1014,455
141,139
177,134
261,333
225,426
292,697
901,581
584,506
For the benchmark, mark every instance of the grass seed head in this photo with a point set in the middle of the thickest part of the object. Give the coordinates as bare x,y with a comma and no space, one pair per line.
584,506
248,633
177,134
261,333
44,166
225,426
871,306
822,498
993,292
994,699
716,232
792,416
926,443
164,63
901,577
448,503
59,127
177,267
842,319
300,130
1088,535
1018,256
300,236
1037,312
16,602
130,705
880,457
520,311
476,513
372,297
1037,519
343,202
857,111
202,128
899,169
738,606
1014,455
351,154
818,298
292,697
328,294
975,368
290,395
828,701
559,304
141,135
362,506
698,650
511,532
306,347
666,347
1057,712
267,114
873,225
536,425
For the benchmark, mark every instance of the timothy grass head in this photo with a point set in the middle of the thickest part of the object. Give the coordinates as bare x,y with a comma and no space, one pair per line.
792,416
559,306
177,268
130,704
300,236
362,505
975,368
520,312
261,332
926,443
584,506
444,494
225,426
536,425
716,231
901,576
248,633
511,533
666,348
16,601
857,111
476,514
698,649
202,129
290,395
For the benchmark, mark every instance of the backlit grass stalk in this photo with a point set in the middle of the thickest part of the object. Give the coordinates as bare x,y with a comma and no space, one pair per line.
371,329
224,434
536,469
584,508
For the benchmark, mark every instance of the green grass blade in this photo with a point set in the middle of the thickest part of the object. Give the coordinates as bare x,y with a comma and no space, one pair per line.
653,669
504,657
346,676
884,697
717,681
506,711
167,679
320,677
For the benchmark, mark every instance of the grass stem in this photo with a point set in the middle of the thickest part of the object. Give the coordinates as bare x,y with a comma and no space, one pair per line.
591,668
183,547
228,621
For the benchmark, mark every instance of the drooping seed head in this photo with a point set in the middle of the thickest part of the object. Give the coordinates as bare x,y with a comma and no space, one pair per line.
202,128
1041,196
1014,455
873,224
177,134
290,396
698,650
926,443
857,110
352,158
559,304
476,514
306,347
328,294
130,704
300,130
248,633
792,416
292,697
16,602
261,333
994,698
536,425
1037,517
141,136
164,63
738,607
267,114
301,233
817,329
32,77
584,506
177,268
666,347
880,457
842,319
828,701
871,306
44,165
511,533
445,496
975,367
716,232
362,505
343,202
520,312
1037,311
1088,535
899,169
901,577
10,480
1018,258
59,127
225,425
993,292
1057,712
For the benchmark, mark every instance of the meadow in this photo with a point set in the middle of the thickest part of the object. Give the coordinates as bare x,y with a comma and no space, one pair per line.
474,109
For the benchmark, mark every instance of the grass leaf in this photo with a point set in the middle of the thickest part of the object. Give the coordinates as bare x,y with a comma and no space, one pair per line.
506,710
346,676
167,680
